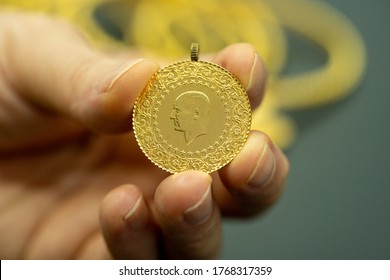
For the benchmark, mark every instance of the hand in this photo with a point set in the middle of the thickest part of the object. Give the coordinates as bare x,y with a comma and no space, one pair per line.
67,192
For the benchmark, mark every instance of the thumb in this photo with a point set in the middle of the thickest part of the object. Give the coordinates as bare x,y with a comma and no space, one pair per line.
50,65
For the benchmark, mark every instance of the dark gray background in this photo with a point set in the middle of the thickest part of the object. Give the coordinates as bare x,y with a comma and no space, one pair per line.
337,200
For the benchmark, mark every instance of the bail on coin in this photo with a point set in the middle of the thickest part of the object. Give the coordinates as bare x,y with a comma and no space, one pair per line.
194,52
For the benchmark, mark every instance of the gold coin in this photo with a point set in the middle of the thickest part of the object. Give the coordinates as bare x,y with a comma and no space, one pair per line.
192,115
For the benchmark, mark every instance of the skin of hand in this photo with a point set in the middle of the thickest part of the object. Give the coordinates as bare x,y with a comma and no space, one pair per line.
73,182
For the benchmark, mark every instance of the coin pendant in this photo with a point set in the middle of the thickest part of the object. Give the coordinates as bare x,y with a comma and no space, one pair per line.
192,115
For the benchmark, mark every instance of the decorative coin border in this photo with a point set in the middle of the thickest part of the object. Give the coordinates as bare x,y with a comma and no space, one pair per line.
224,85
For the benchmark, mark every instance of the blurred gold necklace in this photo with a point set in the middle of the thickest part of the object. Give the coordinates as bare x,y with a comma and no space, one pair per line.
166,28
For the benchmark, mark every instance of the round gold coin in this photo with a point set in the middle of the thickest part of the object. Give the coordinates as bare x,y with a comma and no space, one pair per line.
192,115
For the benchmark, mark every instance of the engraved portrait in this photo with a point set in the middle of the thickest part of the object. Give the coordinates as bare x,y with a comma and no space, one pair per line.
190,114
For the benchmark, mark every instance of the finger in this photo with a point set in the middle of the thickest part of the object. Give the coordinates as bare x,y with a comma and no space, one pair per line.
126,224
255,178
188,217
50,64
244,62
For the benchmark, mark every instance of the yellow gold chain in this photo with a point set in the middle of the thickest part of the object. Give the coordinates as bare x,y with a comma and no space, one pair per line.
166,29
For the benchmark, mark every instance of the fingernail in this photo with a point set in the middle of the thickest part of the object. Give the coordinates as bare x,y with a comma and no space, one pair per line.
201,211
265,168
132,218
119,73
251,76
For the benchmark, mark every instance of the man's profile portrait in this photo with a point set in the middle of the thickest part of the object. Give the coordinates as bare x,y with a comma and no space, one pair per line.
190,114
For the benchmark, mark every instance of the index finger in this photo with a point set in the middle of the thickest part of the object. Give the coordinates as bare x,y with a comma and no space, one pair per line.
50,65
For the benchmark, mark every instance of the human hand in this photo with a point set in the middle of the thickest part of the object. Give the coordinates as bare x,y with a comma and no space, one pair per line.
67,192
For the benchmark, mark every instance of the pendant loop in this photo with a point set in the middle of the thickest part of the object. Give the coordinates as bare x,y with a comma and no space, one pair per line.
194,52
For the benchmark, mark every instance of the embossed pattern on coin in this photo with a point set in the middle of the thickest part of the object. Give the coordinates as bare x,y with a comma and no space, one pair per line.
192,115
